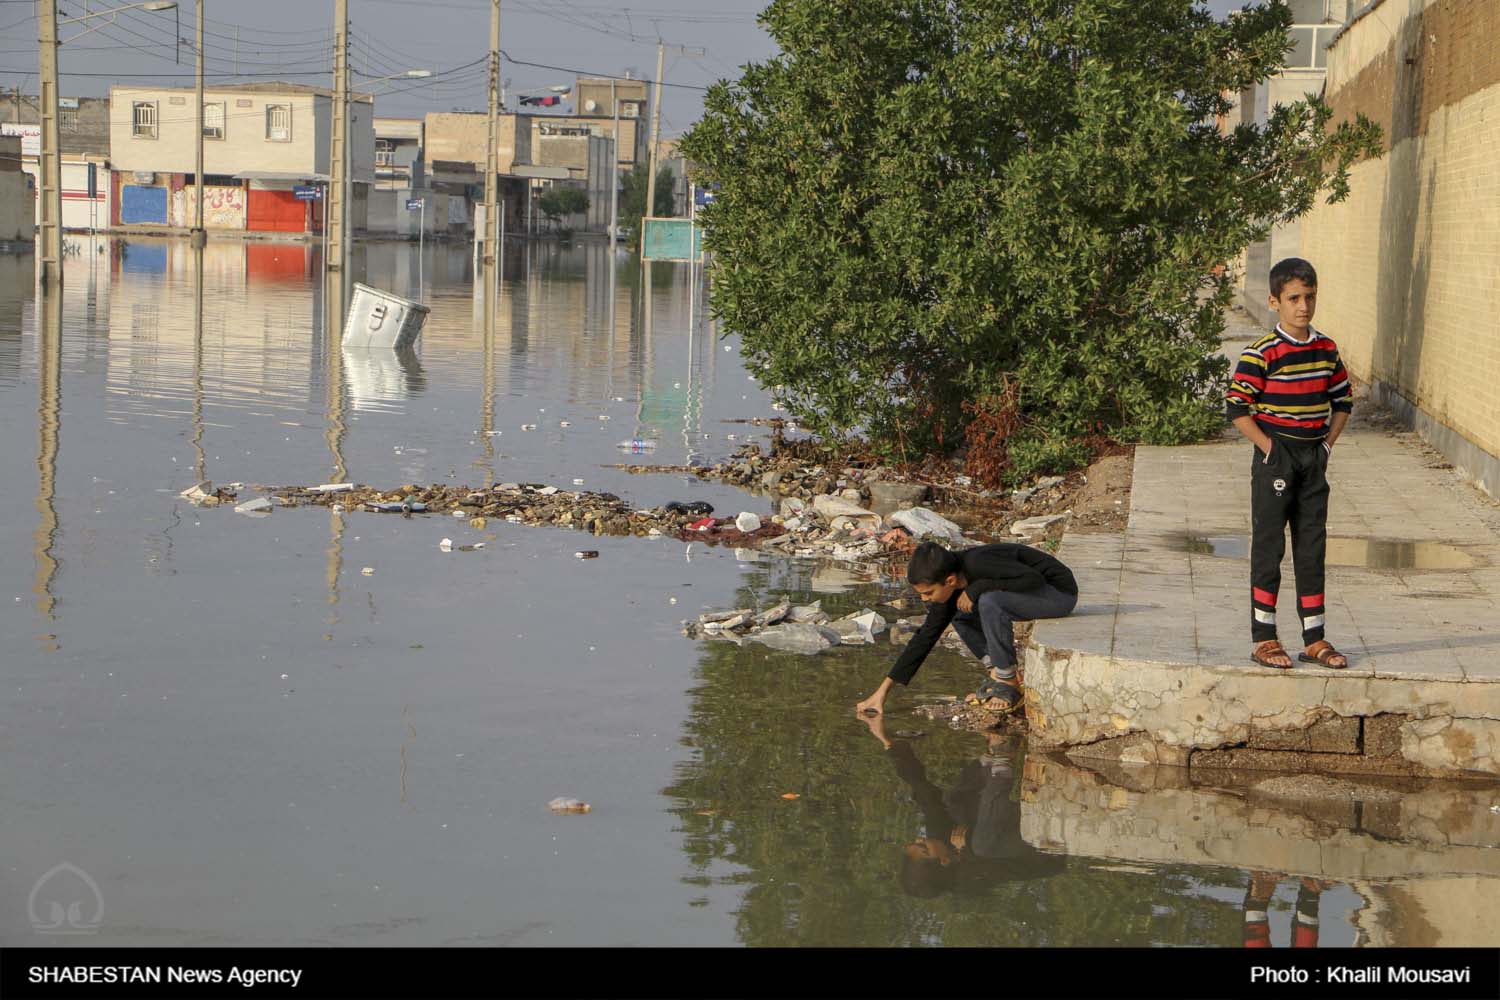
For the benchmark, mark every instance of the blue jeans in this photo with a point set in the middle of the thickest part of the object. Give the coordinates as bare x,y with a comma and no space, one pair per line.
987,629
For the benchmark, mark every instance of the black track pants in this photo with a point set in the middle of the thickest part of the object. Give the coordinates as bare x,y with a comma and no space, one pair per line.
1289,489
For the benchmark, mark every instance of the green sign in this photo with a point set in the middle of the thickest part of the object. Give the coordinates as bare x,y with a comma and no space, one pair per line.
668,239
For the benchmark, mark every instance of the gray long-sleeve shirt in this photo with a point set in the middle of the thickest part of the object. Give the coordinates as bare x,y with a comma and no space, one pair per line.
1002,566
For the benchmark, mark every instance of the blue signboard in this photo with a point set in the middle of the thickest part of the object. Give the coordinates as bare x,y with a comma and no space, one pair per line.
704,196
413,204
307,192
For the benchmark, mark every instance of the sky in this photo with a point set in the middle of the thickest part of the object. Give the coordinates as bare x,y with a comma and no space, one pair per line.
292,40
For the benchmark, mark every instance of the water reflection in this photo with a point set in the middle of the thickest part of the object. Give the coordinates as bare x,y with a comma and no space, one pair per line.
1406,849
945,838
49,363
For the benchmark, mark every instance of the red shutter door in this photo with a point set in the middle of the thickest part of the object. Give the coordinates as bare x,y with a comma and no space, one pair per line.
276,211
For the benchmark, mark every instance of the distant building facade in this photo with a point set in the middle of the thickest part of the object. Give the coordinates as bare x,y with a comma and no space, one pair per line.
261,142
1314,25
83,138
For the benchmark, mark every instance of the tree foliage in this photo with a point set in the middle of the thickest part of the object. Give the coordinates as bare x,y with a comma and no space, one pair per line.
557,202
633,199
923,204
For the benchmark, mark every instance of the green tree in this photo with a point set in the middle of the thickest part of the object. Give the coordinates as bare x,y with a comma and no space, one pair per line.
1015,205
633,199
557,202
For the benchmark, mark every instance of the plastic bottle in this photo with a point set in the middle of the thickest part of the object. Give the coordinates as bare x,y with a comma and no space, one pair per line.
638,446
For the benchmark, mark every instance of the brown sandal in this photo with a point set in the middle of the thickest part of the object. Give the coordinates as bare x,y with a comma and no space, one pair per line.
1321,652
1265,650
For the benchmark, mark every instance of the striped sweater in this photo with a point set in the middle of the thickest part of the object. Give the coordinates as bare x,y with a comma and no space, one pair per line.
1291,387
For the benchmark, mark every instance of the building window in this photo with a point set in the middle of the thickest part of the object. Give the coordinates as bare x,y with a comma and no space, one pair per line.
213,120
279,122
385,153
67,120
143,120
630,109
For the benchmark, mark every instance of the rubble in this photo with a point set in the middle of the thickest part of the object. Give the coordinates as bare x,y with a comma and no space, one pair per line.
804,629
1036,525
257,506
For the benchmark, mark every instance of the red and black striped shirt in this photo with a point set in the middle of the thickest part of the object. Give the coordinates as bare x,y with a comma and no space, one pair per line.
1291,387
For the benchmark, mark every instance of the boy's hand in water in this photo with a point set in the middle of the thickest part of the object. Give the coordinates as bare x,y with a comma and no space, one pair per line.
875,704
877,729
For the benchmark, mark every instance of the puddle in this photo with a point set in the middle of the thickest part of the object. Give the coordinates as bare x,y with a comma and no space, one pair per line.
1371,553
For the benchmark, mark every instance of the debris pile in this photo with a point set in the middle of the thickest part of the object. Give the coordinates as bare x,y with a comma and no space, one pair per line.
828,526
803,628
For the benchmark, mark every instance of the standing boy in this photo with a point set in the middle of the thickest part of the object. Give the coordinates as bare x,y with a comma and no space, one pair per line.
982,591
1290,397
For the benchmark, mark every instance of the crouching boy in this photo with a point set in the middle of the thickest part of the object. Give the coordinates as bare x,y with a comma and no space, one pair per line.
982,591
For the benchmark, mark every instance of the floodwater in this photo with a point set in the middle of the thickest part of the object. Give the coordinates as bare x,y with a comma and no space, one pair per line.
217,729
1369,553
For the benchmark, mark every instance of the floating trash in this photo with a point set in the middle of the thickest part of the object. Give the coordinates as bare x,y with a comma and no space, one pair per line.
586,554
446,545
567,805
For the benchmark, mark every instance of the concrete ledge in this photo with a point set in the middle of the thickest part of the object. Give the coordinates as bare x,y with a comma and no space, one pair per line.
1154,664
1080,699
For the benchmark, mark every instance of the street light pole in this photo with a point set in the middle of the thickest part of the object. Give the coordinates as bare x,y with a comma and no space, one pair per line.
199,237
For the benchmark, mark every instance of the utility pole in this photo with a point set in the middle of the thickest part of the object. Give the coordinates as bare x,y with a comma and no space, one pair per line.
51,158
655,135
492,157
656,120
338,156
614,175
199,237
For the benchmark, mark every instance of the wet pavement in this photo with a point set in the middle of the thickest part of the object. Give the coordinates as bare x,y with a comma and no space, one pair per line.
235,735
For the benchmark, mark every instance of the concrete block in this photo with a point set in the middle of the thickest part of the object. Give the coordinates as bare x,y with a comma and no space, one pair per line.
1382,735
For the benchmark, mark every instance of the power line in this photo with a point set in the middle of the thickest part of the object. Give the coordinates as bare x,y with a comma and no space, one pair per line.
596,75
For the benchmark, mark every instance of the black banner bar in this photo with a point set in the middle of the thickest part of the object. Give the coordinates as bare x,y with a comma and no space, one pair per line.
380,973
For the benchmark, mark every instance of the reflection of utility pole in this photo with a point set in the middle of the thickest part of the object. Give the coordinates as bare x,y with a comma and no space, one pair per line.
338,154
200,464
49,352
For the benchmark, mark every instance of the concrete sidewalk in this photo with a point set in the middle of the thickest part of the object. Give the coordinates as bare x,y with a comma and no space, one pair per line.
1155,663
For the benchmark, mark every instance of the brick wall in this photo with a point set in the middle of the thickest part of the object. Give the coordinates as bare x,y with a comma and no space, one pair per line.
1409,264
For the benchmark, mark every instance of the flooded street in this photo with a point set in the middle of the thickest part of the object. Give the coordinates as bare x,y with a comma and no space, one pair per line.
240,737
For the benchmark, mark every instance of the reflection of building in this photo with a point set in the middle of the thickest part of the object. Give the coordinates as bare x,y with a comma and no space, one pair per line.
261,141
1314,24
1424,855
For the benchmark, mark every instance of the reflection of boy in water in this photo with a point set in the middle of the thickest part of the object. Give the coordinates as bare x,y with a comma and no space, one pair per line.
972,831
1258,901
